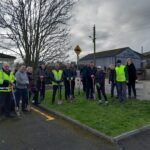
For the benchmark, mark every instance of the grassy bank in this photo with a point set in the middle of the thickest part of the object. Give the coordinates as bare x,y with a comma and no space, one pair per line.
113,119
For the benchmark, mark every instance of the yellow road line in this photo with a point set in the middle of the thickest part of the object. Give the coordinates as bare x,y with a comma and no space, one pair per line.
49,118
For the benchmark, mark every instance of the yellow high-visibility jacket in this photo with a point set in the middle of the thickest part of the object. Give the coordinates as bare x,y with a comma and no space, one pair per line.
57,76
5,80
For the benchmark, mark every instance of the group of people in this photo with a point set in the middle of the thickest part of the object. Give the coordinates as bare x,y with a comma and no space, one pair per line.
18,87
26,84
120,76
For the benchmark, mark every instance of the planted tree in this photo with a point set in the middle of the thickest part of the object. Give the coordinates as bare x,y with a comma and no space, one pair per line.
35,30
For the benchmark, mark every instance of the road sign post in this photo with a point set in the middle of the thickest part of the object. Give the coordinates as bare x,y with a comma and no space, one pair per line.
77,51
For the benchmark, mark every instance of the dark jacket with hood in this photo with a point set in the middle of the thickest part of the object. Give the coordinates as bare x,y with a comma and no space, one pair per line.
41,72
100,77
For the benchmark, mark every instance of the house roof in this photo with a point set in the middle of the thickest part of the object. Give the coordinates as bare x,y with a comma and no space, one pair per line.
6,56
107,53
146,54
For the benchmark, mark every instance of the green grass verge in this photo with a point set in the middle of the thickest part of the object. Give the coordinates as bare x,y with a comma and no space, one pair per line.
113,119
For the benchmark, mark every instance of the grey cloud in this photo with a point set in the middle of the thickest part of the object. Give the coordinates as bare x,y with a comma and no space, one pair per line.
119,23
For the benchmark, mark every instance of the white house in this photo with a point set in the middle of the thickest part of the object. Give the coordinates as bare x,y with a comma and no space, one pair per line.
6,58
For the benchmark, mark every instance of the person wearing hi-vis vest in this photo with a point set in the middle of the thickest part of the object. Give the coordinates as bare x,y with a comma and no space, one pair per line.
57,82
6,85
121,78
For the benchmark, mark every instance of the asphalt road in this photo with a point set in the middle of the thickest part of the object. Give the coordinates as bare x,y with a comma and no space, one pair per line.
139,141
34,132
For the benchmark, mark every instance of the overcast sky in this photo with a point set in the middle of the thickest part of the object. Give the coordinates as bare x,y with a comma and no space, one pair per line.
119,23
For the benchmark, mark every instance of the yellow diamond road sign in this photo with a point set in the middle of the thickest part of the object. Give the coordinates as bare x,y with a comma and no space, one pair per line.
77,50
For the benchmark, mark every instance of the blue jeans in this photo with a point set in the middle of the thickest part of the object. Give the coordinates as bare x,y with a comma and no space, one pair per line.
113,85
121,86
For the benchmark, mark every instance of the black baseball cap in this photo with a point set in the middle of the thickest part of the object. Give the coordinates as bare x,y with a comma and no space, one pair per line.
118,61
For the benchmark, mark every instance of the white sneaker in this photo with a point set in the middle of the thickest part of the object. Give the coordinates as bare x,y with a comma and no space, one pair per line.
99,101
59,102
106,102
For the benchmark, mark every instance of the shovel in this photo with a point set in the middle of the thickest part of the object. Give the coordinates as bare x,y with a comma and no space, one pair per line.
15,102
94,95
59,95
70,81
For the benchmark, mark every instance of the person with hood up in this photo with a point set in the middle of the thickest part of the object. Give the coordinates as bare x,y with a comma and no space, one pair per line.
100,85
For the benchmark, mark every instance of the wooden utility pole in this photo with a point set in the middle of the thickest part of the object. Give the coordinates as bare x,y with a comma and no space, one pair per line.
94,43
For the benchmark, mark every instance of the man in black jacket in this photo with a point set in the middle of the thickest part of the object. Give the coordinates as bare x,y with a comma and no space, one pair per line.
90,78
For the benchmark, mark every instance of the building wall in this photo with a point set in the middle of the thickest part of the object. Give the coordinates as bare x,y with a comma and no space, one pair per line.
6,60
130,54
106,61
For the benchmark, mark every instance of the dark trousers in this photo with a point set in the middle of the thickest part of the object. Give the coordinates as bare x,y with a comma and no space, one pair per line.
56,88
36,97
131,85
101,89
22,94
40,96
67,89
72,87
113,85
41,90
84,83
5,102
89,89
121,91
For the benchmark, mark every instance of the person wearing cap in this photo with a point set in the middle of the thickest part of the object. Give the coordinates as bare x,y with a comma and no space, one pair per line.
121,79
6,86
112,80
100,85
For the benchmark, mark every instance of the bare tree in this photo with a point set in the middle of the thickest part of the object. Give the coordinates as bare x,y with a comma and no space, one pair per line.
37,28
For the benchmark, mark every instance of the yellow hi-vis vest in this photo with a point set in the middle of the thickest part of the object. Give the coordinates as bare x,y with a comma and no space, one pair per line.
120,73
4,76
57,76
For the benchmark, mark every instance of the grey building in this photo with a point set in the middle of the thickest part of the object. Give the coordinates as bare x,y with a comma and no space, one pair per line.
6,58
105,58
146,60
